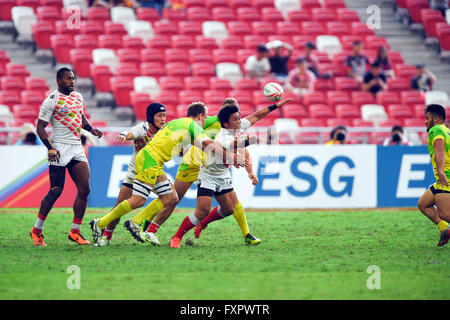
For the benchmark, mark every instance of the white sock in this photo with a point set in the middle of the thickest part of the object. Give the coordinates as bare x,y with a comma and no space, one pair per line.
193,219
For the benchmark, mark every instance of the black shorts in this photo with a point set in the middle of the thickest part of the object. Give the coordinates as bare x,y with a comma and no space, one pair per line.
436,191
210,193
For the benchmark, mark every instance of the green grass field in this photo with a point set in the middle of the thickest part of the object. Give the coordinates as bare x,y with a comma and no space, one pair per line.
303,255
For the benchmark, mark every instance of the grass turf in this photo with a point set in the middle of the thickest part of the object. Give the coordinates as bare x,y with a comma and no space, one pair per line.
303,255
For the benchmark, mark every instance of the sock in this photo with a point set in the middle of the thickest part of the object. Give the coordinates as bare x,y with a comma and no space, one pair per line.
239,215
76,225
108,233
39,225
442,225
122,208
149,212
188,223
212,216
153,227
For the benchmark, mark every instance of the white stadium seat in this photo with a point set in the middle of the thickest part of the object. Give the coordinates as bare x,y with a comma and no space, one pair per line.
435,96
215,29
285,6
105,57
23,18
329,44
122,15
284,124
141,29
229,71
146,85
374,113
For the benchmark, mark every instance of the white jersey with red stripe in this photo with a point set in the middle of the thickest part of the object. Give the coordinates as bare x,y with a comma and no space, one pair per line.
64,112
142,135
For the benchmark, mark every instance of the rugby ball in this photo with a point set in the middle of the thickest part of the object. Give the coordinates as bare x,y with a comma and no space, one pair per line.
273,91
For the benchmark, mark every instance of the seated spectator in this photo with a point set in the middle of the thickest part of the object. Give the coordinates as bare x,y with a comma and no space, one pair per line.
157,4
312,65
356,62
385,64
300,80
423,80
374,80
338,136
108,4
279,59
441,5
397,138
258,66
28,136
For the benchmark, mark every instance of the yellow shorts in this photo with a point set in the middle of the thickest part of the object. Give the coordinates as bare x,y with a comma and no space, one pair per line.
437,187
189,174
147,168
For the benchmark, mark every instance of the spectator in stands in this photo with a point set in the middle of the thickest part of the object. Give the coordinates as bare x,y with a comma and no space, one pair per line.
374,79
258,66
441,5
300,80
385,63
157,4
338,136
312,66
108,4
28,136
423,80
356,62
397,137
279,59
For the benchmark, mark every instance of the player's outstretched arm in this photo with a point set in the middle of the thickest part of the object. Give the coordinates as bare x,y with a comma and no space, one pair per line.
216,147
249,168
439,157
261,113
125,136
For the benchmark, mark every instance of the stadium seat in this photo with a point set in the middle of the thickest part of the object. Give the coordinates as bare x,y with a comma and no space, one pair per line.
229,71
215,29
346,84
347,41
320,111
414,8
140,29
414,122
263,28
193,3
23,18
443,32
133,42
323,85
149,85
298,15
12,83
329,44
398,84
86,41
81,60
295,111
175,54
412,97
313,28
220,84
165,28
287,28
247,84
149,55
337,28
347,15
94,28
203,69
100,77
190,27
6,8
337,97
361,123
398,111
152,69
253,41
315,98
174,14
110,41
58,4
386,98
9,98
18,70
436,96
98,13
147,14
168,99
114,28
199,14
287,6
139,102
232,42
183,41
196,83
360,98
235,4
46,13
122,15
32,98
61,46
121,88
179,69
271,15
34,83
214,97
334,122
200,55
189,96
42,31
202,42
322,14
105,56
25,113
310,4
159,41
245,109
248,14
223,14
404,71
347,111
374,113
361,29
125,69
374,42
240,28
242,96
224,55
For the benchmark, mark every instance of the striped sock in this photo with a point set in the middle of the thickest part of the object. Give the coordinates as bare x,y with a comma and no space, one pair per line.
39,225
76,225
108,233
153,227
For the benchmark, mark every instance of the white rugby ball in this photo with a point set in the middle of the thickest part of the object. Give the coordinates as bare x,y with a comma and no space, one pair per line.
273,91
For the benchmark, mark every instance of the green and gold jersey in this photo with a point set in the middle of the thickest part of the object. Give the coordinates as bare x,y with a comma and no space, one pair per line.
439,131
170,139
195,156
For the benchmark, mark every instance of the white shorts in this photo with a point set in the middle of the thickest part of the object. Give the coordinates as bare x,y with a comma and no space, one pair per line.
129,176
215,183
67,153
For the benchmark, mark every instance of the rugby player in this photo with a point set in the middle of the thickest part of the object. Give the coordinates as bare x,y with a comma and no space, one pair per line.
435,202
63,108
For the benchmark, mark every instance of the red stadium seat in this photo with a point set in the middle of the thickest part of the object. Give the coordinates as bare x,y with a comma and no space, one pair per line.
121,88
62,28
361,29
58,4
224,55
259,4
315,98
38,84
430,18
334,68
25,112
178,69
348,111
235,4
271,15
125,69
200,14
253,41
313,28
295,111
398,84
5,9
86,41
287,28
129,55
405,71
243,54
334,122
223,14
214,97
159,41
12,83
386,98
183,41
165,27
32,98
98,14
337,28
299,16
322,14
92,27
391,122
100,77
242,96
147,14
175,54
81,60
18,70
151,55
398,111
200,55
338,97
168,98
361,123
241,28
443,32
374,42
193,3
189,96
310,4
220,84
202,42
232,42
414,7
320,111
360,98
190,27
245,109
196,83
110,41
347,41
248,14
174,15
247,84
133,42
61,45
9,98
346,84
412,97
323,85
46,13
263,28
396,58
414,122
259,98
170,83
334,4
114,28
152,69
203,69
42,31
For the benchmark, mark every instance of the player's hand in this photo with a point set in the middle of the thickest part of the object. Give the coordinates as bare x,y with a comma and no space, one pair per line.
254,178
283,102
121,138
53,155
97,133
443,178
